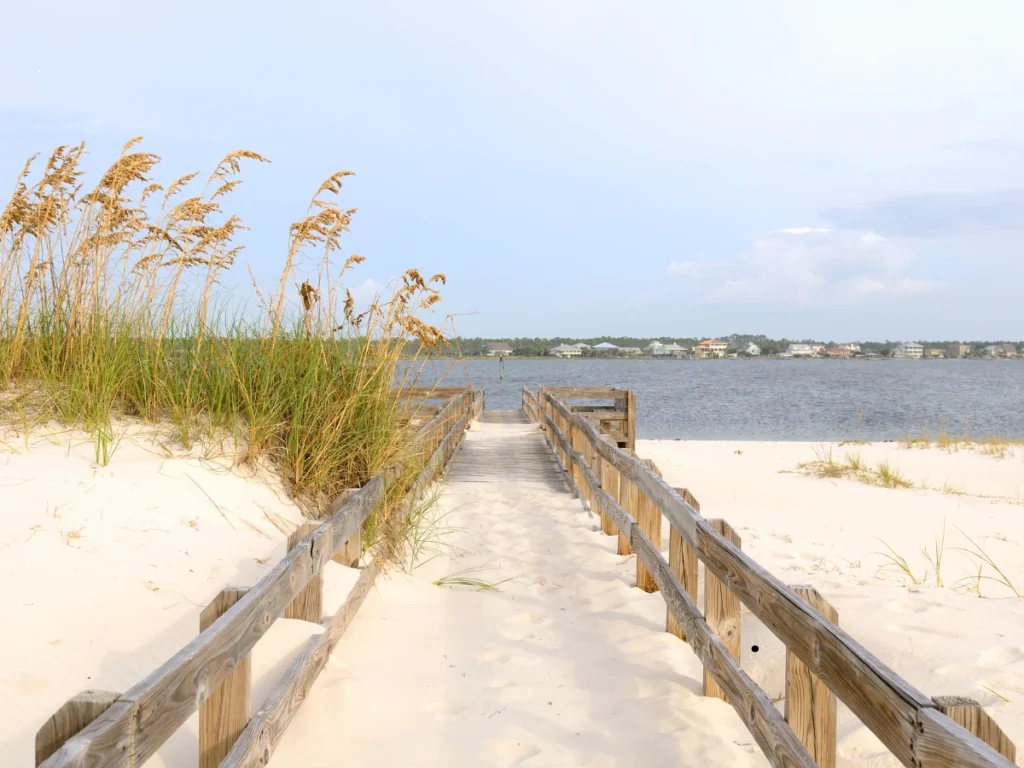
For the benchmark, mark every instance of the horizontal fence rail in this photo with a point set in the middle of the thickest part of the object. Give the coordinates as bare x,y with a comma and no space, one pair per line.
129,728
912,725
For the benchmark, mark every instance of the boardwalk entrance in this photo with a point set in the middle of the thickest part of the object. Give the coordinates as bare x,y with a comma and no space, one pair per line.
564,663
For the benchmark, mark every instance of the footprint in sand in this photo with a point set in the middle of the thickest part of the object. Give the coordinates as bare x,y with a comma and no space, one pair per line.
515,752
994,658
446,708
494,657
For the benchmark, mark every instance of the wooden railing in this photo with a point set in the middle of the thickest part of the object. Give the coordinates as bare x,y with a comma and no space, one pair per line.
823,661
99,730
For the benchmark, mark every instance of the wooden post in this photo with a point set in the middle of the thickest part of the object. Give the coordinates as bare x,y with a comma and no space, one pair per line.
629,499
74,715
810,705
609,483
968,714
682,559
648,517
352,549
224,713
631,420
721,611
308,604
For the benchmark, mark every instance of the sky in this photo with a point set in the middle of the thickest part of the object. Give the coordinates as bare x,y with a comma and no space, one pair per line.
825,169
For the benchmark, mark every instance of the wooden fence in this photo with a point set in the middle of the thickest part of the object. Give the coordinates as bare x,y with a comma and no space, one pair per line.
97,729
822,662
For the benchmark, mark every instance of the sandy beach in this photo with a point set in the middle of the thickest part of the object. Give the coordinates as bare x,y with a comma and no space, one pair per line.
563,662
830,532
106,569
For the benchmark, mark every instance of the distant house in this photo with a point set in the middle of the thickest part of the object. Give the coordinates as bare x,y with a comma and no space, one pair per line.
853,346
934,353
581,346
958,350
750,349
800,350
497,348
606,348
631,351
565,350
908,350
656,349
1000,350
839,353
818,349
710,348
674,350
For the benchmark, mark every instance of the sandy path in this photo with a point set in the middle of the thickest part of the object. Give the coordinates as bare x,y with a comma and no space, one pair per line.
568,664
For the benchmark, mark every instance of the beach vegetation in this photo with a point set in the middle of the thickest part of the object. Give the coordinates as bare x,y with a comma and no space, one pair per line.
117,306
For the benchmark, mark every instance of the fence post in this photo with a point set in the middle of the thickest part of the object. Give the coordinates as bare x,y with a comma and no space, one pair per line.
648,517
721,610
74,715
629,499
682,559
350,552
968,714
609,483
224,713
308,604
810,705
631,419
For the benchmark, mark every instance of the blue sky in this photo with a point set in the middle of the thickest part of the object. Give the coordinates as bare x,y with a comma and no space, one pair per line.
579,167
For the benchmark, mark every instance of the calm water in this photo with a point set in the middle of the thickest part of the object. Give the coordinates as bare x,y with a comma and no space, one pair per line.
780,399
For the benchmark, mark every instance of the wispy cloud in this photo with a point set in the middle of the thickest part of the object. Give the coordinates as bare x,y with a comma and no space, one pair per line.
808,267
936,214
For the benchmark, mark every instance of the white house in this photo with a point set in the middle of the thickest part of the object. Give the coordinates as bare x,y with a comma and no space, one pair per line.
673,350
853,346
908,350
581,346
656,348
498,348
606,348
565,350
800,350
751,349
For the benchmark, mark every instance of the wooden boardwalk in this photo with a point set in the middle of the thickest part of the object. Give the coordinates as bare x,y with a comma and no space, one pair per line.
565,663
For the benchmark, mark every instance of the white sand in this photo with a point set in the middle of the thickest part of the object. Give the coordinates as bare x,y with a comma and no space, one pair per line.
824,532
104,570
566,664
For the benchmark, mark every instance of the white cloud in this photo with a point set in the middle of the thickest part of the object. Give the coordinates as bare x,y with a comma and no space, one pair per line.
695,269
809,267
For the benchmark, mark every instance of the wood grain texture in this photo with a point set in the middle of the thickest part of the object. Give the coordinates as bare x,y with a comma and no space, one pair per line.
225,713
629,497
631,420
969,715
683,562
76,713
810,705
648,517
721,611
348,554
585,393
308,605
941,743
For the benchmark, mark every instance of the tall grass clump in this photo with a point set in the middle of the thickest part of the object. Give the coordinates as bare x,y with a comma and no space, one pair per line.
113,309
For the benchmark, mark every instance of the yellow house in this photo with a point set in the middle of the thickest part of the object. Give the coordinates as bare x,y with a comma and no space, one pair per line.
710,348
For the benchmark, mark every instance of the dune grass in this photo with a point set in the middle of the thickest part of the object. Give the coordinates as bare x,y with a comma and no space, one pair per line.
113,310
